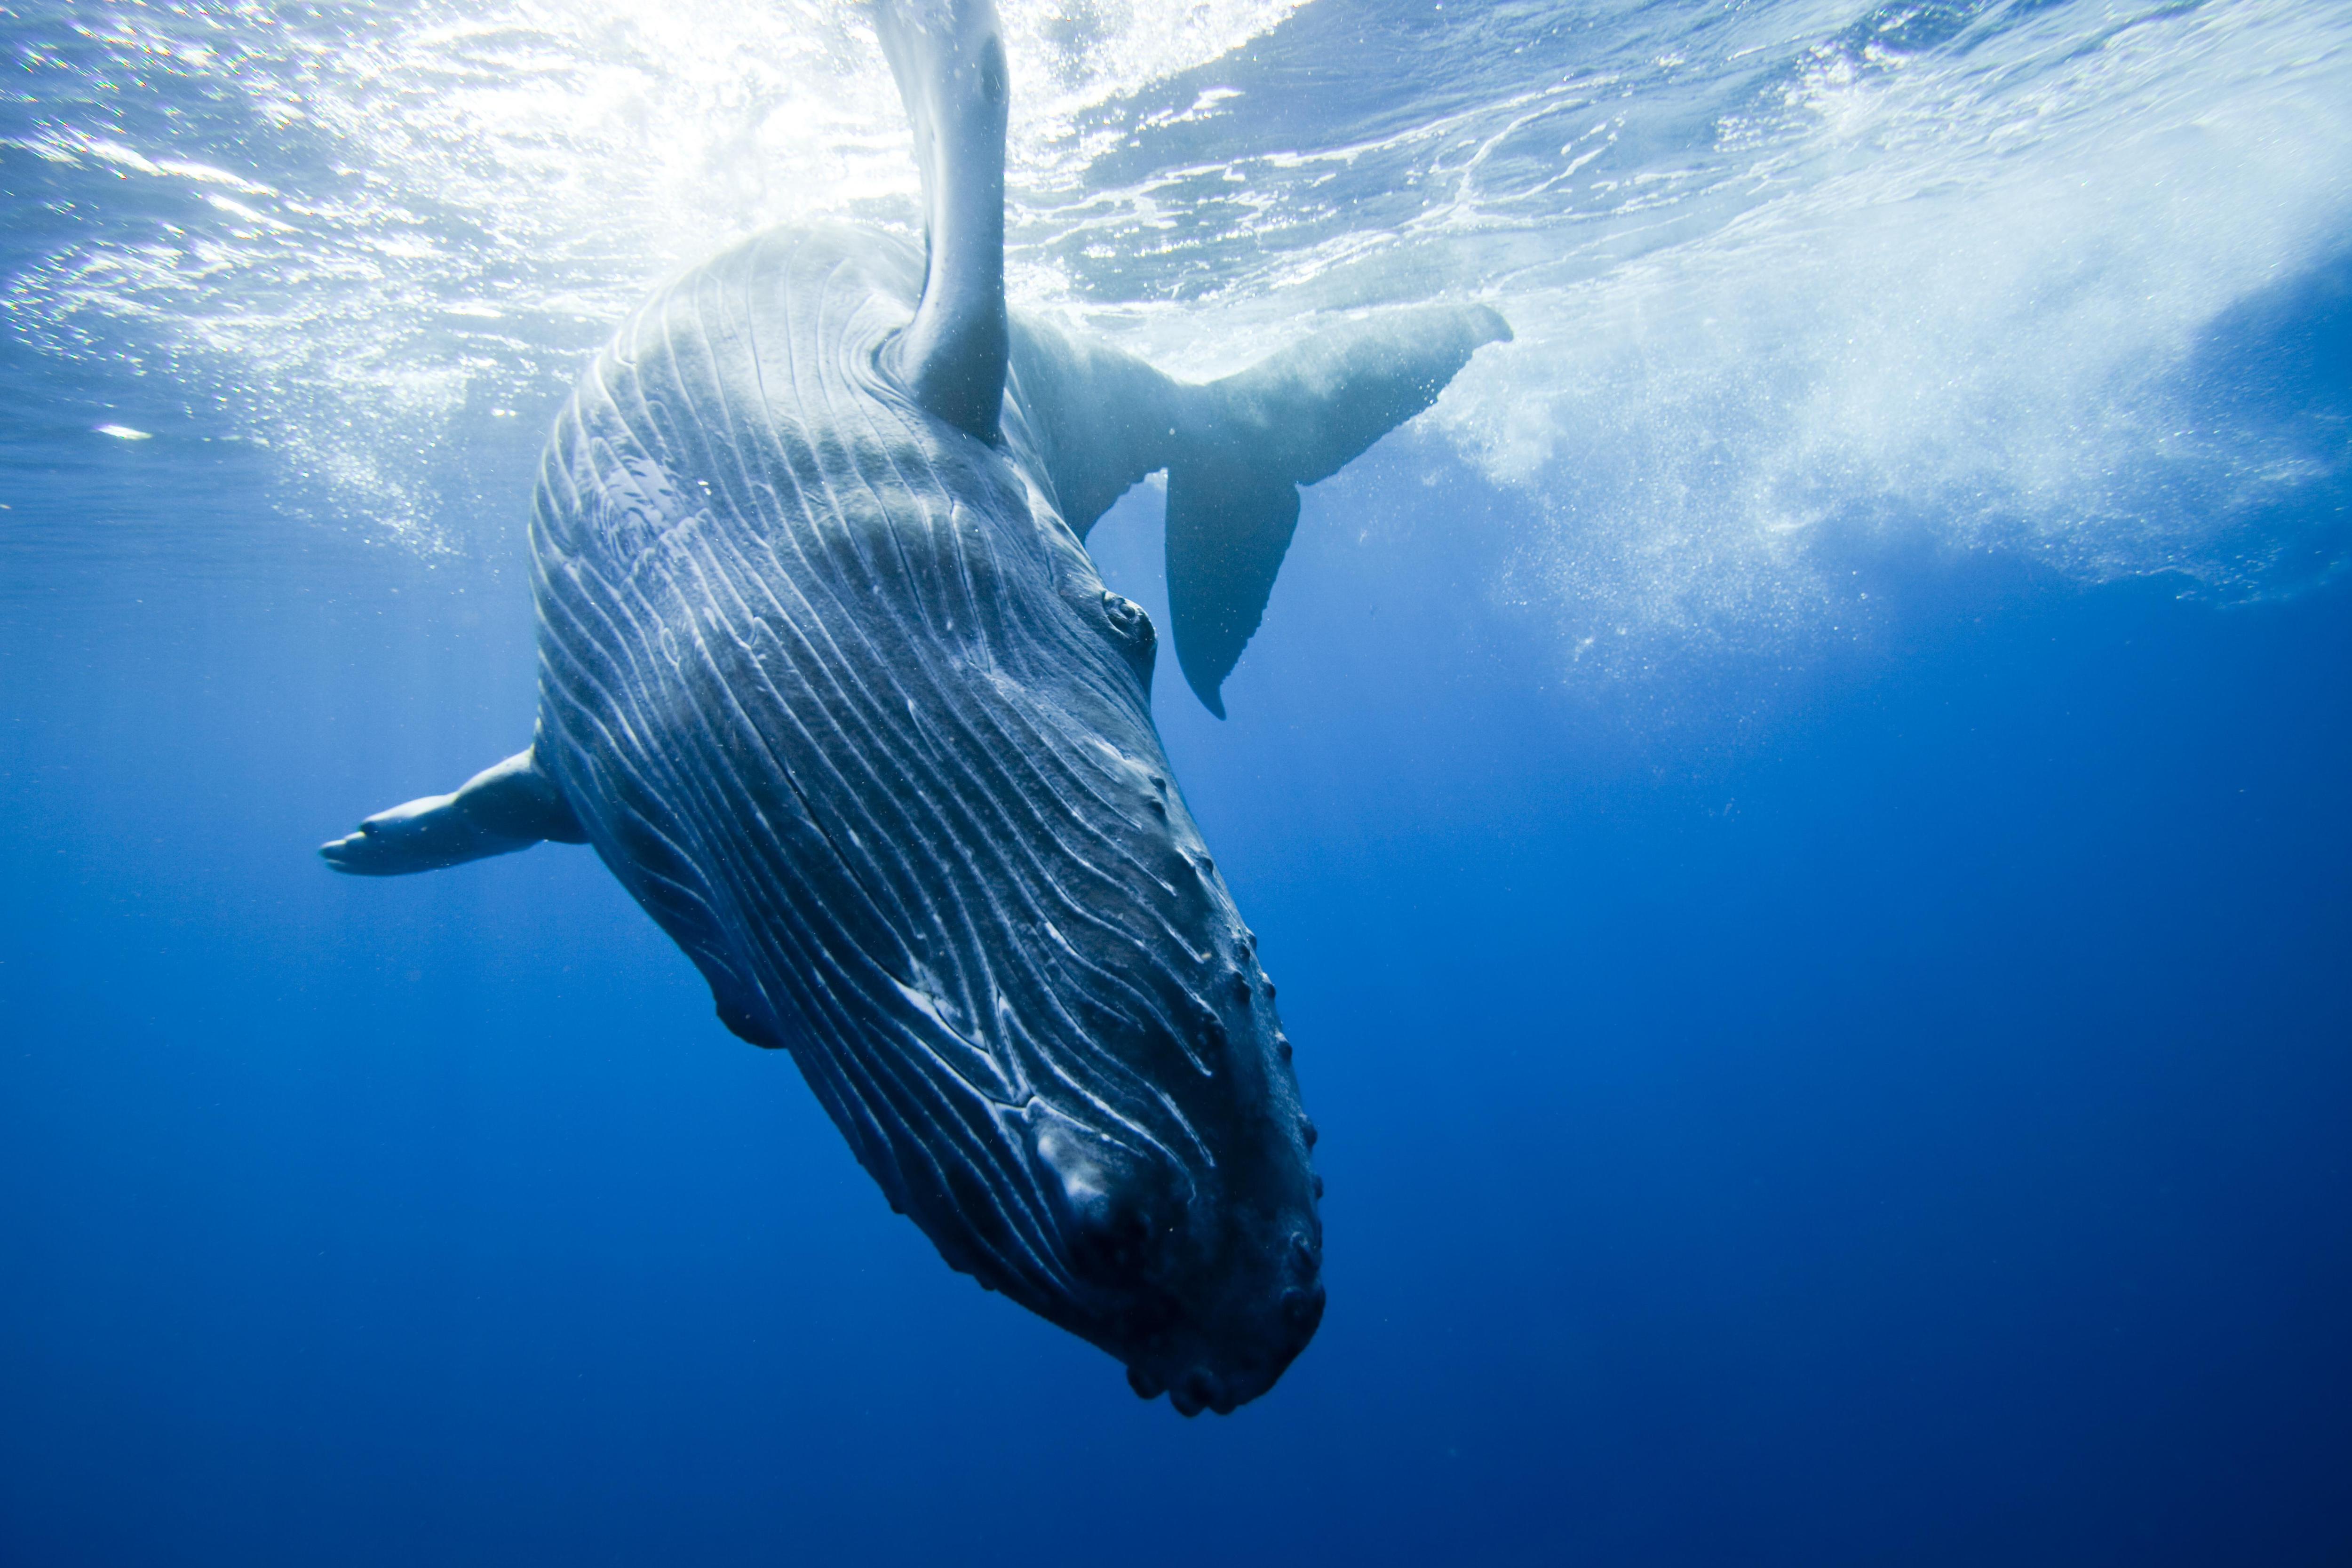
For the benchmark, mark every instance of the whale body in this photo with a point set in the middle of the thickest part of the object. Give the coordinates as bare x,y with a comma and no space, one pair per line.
829,681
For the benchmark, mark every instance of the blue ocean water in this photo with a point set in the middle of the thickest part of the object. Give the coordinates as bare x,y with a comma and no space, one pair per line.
1800,813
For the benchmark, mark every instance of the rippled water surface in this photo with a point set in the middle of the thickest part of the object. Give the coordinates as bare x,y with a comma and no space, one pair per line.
1997,273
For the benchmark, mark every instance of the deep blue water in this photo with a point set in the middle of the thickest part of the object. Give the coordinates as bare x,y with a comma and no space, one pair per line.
1812,882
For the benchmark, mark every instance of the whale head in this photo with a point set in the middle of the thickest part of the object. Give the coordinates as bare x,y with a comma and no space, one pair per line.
1145,1180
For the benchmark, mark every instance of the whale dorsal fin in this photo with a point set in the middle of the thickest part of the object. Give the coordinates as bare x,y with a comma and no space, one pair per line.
948,59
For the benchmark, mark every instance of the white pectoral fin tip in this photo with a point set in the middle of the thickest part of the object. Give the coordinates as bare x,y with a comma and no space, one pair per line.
123,433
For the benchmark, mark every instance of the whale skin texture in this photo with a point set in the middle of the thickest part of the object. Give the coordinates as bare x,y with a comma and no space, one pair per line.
836,693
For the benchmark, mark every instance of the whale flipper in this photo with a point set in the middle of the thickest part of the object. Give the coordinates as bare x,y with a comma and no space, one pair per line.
948,57
499,810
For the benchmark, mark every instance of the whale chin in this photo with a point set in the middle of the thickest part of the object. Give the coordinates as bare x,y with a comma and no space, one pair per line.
1208,1304
1222,1371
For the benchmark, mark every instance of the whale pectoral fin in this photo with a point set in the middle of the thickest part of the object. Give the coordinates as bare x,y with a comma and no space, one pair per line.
948,59
1247,441
499,810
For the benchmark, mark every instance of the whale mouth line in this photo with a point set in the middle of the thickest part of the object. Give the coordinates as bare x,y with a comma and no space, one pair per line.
1197,1391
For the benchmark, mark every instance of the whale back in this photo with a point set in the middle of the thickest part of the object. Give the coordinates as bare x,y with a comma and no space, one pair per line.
843,702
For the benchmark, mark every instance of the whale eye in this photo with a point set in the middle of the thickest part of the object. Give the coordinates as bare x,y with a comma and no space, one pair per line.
1133,631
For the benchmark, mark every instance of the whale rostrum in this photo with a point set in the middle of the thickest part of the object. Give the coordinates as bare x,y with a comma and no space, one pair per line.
828,679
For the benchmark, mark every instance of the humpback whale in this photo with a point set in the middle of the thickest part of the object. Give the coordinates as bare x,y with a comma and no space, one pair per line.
828,681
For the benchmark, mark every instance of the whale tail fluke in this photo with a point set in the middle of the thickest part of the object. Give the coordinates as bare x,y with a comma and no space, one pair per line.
1236,450
499,810
1244,445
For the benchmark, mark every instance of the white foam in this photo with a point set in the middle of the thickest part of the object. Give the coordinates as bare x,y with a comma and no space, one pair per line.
1972,320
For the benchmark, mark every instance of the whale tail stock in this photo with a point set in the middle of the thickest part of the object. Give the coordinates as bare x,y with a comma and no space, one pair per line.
1235,450
499,810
